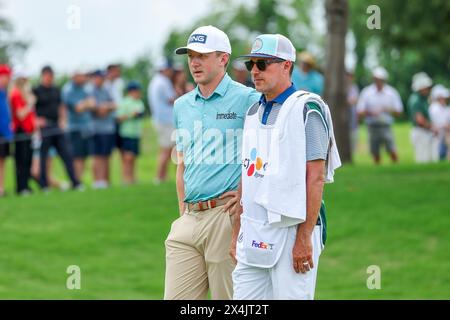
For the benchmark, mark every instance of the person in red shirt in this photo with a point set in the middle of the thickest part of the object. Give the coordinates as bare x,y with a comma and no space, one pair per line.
23,124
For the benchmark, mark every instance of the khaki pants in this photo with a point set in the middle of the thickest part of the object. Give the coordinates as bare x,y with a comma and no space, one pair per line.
197,256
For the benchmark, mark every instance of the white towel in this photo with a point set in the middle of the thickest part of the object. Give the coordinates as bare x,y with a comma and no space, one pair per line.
333,160
283,191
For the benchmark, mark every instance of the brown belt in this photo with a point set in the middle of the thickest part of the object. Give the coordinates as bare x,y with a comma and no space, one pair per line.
207,204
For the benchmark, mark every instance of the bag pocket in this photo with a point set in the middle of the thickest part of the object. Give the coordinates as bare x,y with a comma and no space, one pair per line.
262,244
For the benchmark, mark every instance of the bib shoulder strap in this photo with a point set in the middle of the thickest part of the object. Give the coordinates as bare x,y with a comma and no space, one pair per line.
253,109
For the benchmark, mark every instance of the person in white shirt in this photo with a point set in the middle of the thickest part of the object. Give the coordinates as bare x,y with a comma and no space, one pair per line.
378,103
440,118
424,136
115,86
114,83
161,96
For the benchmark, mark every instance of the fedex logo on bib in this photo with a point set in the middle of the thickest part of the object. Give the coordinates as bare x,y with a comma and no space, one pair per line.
197,38
262,245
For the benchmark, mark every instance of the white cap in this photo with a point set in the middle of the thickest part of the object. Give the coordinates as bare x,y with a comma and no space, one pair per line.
380,73
421,81
239,65
439,91
80,70
272,46
163,63
20,72
206,39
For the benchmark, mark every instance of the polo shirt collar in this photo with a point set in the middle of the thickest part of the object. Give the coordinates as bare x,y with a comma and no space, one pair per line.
281,98
221,89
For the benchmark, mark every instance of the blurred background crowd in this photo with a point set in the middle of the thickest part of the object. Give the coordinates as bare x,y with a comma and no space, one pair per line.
92,112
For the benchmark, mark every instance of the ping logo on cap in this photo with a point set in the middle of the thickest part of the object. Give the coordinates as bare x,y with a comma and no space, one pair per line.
257,45
197,38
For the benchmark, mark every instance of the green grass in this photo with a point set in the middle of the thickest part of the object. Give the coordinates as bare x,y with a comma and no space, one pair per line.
394,216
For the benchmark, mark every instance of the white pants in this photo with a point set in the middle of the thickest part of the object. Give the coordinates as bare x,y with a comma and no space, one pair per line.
280,282
426,145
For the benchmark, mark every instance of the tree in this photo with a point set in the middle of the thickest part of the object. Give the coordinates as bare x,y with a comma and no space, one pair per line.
9,47
413,37
243,23
335,88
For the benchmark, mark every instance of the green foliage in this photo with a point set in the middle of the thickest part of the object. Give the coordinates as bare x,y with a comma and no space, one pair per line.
413,37
9,47
243,23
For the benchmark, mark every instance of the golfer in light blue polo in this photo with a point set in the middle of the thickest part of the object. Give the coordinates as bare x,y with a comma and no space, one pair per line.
208,122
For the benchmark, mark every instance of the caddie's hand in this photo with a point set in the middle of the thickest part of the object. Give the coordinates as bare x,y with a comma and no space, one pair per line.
234,198
302,253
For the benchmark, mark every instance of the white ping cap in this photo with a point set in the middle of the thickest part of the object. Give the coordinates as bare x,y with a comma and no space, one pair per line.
206,39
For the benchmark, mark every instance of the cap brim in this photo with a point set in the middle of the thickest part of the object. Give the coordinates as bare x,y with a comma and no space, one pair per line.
182,50
194,47
258,55
21,76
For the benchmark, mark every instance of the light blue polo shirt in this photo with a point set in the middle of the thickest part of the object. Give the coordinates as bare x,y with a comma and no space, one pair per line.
312,81
72,94
106,124
209,133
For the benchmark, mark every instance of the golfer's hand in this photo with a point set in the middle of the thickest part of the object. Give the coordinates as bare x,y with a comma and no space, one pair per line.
234,198
236,210
302,253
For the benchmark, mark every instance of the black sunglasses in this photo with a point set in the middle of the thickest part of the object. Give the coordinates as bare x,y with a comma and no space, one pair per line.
261,64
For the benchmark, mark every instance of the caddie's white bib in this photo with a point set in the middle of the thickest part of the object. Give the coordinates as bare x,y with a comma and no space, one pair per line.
259,243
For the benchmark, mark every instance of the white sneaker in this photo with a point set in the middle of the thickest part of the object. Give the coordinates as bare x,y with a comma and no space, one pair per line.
46,190
80,188
64,186
100,184
24,193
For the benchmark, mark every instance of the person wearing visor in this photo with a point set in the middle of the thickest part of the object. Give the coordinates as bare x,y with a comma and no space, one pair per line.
208,123
288,153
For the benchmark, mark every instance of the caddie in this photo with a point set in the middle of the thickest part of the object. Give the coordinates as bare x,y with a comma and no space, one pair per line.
288,153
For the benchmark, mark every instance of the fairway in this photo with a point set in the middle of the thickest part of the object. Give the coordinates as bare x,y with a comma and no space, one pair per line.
396,217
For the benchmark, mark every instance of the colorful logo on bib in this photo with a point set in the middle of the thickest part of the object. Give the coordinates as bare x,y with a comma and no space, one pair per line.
255,164
262,245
